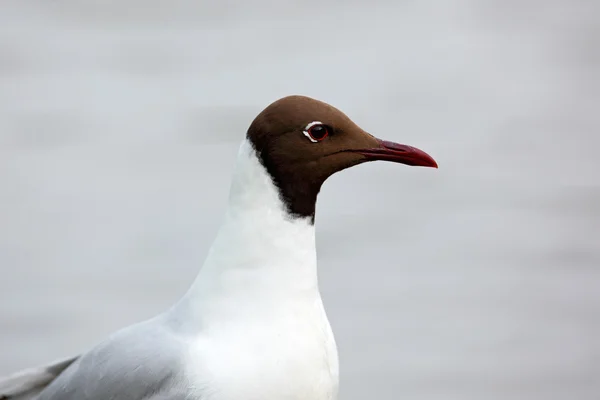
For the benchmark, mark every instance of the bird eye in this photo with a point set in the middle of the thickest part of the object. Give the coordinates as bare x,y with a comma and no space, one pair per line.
316,131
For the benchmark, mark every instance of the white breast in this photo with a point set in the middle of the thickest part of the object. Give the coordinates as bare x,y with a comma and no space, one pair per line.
258,330
288,358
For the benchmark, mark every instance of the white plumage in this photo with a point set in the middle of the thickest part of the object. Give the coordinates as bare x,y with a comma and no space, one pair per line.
252,326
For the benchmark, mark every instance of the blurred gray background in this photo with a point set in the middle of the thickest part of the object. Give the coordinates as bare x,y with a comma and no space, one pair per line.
119,126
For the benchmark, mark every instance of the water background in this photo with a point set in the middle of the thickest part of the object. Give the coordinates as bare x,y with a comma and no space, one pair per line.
119,126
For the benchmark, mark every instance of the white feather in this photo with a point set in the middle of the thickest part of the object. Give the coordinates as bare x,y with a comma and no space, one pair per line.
256,301
252,326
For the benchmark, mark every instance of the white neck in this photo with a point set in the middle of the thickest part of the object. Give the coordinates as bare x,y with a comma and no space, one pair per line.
262,258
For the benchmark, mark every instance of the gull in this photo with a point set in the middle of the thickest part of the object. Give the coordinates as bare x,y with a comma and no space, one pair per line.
252,326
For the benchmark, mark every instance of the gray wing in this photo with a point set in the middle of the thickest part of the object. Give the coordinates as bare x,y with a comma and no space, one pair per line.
141,362
27,384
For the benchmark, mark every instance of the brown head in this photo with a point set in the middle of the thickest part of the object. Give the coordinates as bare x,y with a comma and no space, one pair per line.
302,141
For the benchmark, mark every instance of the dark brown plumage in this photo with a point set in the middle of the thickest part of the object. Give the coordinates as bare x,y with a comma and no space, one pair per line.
299,162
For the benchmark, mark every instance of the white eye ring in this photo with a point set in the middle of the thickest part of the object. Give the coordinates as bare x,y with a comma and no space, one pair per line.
307,128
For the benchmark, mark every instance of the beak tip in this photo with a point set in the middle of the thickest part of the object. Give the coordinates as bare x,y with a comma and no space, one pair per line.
400,153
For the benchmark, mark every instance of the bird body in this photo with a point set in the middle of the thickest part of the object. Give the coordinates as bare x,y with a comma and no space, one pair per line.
256,300
252,326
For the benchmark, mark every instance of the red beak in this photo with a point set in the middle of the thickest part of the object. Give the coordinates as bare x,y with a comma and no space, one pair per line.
400,153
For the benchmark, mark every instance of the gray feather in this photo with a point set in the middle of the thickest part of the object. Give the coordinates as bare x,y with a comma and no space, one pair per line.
26,384
140,362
